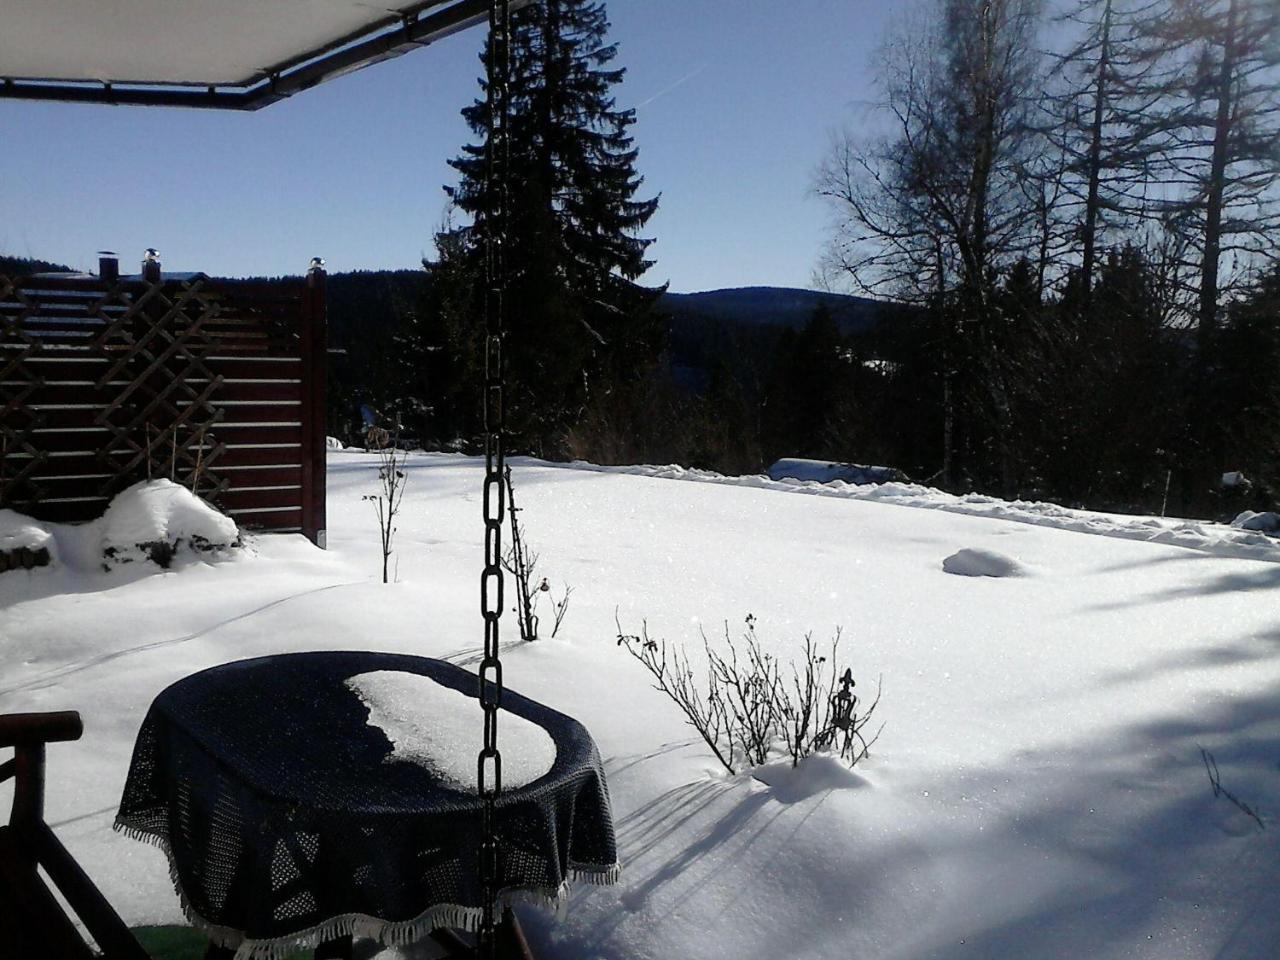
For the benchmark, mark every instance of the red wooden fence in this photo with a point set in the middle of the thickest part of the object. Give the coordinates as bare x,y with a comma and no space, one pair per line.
217,385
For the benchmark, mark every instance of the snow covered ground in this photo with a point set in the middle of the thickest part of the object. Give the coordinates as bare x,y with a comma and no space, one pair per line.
1038,790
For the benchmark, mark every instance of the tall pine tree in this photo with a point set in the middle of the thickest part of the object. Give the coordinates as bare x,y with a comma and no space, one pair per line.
578,323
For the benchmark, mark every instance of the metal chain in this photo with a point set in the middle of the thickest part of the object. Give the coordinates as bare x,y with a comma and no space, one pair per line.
497,164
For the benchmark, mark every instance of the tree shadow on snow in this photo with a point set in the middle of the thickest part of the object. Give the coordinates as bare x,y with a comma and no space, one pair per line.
1116,848
1178,872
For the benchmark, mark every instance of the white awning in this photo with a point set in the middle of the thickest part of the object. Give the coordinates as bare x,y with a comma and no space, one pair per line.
156,51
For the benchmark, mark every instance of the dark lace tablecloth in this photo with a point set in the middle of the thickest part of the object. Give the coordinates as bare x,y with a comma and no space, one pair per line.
285,826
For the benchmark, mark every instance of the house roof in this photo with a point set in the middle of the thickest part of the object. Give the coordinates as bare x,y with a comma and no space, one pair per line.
237,54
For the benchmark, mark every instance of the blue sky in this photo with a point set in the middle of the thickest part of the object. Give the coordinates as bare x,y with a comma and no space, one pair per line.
736,102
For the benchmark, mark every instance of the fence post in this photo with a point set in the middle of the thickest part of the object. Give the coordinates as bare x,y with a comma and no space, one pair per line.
314,422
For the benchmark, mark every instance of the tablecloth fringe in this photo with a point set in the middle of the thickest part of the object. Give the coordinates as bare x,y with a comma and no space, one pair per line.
599,874
391,933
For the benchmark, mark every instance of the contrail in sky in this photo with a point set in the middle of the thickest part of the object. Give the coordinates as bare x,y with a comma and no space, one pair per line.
665,90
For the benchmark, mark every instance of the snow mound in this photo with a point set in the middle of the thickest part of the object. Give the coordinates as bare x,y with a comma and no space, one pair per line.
819,773
18,532
156,519
974,562
440,728
1263,522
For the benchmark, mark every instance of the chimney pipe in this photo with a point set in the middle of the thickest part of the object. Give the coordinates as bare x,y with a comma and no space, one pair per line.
108,266
151,266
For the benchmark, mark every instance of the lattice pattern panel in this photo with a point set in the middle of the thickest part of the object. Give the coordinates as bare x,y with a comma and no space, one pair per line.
218,386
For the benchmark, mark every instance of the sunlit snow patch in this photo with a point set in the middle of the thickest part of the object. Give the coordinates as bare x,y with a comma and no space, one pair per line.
440,728
974,562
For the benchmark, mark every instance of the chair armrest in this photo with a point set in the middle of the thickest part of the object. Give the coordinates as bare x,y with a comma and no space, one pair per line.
27,729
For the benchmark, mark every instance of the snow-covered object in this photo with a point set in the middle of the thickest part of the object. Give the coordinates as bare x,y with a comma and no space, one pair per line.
824,471
19,532
1235,480
156,519
976,562
440,728
1267,522
333,443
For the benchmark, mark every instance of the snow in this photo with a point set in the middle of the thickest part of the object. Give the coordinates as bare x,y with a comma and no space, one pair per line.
971,562
811,777
161,512
1038,789
1267,522
1213,538
156,521
19,532
434,725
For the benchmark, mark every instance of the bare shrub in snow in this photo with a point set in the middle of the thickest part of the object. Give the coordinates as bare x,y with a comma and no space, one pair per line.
752,687
701,701
822,712
522,563
391,481
745,707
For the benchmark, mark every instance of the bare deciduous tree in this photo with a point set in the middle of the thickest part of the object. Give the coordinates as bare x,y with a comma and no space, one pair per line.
932,211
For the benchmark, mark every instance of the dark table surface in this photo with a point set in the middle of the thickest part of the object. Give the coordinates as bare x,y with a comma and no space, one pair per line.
285,823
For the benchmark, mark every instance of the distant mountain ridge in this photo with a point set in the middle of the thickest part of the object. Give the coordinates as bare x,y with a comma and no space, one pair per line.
775,307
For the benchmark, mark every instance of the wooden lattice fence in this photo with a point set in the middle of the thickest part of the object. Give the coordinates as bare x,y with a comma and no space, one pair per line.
217,385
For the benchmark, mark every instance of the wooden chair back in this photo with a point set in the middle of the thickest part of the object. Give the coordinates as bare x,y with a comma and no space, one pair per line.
33,922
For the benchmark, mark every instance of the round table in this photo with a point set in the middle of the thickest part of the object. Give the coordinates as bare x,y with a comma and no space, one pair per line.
286,826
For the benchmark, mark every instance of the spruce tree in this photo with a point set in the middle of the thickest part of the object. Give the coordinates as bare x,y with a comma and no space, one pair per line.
578,323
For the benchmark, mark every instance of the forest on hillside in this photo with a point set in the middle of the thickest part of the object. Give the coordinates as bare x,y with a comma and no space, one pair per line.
1068,210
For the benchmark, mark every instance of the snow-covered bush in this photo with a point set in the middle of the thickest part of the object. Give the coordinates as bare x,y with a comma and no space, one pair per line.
20,532
156,520
747,710
25,542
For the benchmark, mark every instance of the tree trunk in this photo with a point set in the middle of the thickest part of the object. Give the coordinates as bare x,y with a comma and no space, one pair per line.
1209,280
1090,230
